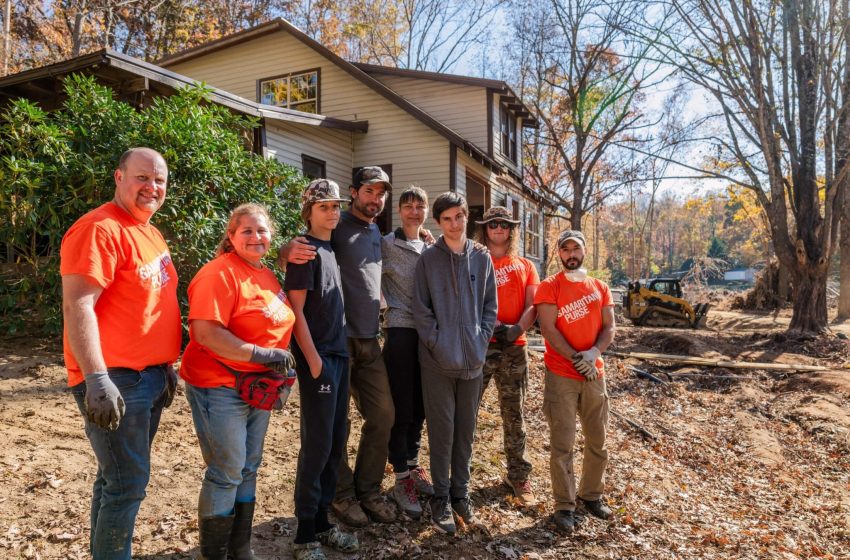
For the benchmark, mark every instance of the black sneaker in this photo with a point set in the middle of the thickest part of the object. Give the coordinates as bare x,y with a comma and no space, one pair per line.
597,508
441,515
463,508
565,520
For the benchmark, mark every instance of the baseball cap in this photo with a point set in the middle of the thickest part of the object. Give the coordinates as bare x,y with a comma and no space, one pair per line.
573,234
497,213
370,176
321,190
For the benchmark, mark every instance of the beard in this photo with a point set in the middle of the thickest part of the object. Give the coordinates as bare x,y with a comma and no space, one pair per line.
370,210
573,263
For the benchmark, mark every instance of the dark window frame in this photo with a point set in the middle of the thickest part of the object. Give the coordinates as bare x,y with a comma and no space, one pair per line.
305,159
289,75
508,133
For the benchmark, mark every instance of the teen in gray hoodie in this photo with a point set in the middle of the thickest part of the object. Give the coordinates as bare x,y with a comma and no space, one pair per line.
454,309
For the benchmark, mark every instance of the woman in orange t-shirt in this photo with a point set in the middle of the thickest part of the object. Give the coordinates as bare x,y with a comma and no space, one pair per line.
239,320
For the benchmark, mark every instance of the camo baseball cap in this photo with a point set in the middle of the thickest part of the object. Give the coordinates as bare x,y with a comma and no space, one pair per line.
569,234
321,190
497,213
371,175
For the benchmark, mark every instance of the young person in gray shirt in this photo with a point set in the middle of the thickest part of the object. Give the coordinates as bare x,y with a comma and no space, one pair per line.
454,309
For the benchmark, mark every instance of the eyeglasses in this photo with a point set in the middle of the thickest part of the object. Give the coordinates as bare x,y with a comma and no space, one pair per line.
496,225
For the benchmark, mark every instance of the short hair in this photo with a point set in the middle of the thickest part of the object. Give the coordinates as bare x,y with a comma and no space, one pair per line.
413,194
248,209
449,200
122,161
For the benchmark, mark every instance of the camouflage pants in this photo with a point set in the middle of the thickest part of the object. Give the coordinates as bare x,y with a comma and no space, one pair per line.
507,364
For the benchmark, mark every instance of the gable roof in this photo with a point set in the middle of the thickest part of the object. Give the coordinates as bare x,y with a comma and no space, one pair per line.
129,75
281,24
497,86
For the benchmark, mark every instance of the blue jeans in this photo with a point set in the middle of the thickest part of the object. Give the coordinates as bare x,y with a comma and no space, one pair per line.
231,435
123,459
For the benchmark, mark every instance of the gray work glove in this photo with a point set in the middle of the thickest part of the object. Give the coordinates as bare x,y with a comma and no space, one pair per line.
277,359
104,404
170,385
585,363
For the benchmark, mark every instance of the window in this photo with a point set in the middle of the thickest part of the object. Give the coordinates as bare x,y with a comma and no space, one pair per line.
312,168
532,235
507,128
297,91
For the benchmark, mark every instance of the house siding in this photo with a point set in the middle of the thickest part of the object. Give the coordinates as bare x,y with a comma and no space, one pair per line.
418,154
462,108
287,142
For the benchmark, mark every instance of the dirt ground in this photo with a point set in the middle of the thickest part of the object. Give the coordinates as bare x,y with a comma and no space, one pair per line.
744,464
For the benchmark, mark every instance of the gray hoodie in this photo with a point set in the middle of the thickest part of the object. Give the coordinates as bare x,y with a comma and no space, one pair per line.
454,308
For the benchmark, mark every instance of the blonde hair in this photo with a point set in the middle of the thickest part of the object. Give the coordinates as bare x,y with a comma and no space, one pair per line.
513,238
248,209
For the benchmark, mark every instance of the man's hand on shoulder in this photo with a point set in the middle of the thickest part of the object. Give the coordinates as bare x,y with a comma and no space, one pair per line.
296,251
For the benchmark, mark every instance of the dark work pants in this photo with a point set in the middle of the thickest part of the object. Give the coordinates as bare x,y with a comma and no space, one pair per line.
324,417
401,356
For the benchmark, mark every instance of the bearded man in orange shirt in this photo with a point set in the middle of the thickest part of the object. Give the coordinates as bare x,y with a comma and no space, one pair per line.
576,314
122,333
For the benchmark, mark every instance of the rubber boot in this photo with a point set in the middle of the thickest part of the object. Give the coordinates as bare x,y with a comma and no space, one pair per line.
214,534
239,546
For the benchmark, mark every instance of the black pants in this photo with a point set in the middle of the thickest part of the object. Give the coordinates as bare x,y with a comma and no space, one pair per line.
324,416
401,356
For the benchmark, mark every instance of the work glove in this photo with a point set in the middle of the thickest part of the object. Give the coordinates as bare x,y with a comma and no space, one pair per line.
104,404
507,333
585,363
170,385
277,359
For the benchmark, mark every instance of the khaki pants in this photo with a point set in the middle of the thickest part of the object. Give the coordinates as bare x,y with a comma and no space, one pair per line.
563,398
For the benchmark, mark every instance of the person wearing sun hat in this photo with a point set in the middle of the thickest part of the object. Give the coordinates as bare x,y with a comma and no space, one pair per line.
576,314
507,356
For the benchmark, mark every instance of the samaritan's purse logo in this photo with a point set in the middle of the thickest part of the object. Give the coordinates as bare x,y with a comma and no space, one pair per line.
154,274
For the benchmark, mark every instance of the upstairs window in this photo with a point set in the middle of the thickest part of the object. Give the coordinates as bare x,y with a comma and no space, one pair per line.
532,235
507,129
298,91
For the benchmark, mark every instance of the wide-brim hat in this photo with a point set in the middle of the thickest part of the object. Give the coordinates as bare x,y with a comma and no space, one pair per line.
571,234
321,190
371,175
497,213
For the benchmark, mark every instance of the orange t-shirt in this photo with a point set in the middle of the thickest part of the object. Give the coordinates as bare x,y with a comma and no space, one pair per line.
579,317
513,276
249,302
138,316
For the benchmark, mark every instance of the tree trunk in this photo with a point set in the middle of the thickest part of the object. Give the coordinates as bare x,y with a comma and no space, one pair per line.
844,278
809,300
783,283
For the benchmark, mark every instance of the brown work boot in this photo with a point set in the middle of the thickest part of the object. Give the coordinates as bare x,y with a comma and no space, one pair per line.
523,492
379,509
348,511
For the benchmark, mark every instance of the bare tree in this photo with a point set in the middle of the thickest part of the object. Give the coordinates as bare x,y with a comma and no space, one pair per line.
584,74
763,63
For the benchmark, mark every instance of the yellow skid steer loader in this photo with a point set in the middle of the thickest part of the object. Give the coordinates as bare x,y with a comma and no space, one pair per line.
660,304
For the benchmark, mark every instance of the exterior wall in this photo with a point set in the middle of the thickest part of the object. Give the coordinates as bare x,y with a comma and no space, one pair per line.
288,141
461,107
418,154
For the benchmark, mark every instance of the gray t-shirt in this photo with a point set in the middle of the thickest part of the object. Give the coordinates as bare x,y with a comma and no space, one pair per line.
357,245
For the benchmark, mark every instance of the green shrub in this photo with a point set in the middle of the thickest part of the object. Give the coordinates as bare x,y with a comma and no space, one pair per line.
55,167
